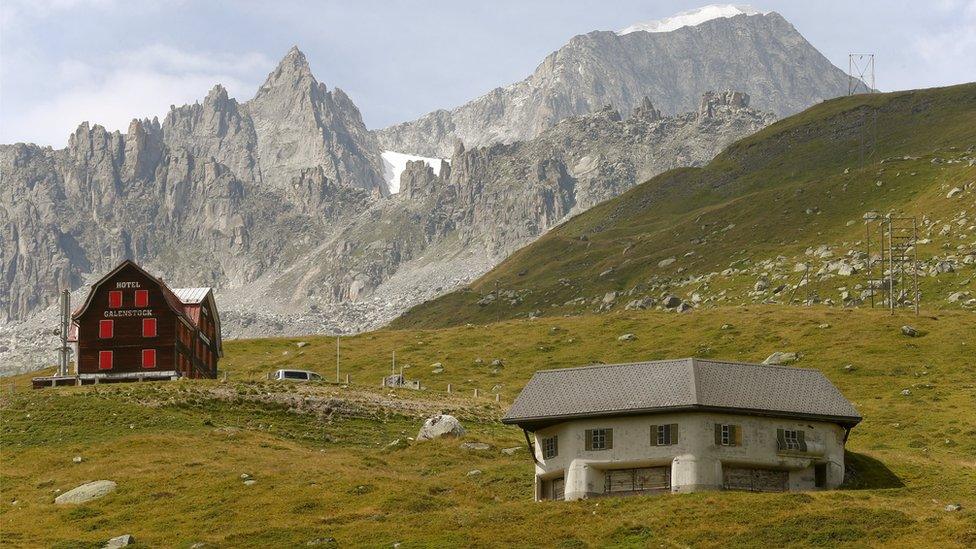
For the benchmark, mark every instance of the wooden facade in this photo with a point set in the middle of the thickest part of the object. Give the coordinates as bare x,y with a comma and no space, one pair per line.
133,327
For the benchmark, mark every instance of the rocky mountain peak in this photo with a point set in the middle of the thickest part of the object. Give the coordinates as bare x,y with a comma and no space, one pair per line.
292,73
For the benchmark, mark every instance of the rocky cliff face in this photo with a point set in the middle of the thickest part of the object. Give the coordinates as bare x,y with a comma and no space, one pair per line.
761,55
219,193
443,230
279,203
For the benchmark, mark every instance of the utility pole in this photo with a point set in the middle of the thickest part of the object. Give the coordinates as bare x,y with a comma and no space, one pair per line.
65,324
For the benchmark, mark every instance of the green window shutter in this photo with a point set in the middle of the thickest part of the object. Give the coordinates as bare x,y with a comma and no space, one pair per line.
653,435
802,440
674,433
718,434
737,432
555,446
589,439
609,439
780,439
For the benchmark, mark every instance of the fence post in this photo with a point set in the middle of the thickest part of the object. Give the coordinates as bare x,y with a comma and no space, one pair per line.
448,388
347,379
496,397
475,393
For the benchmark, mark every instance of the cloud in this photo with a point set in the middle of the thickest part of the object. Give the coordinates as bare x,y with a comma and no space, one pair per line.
115,89
947,53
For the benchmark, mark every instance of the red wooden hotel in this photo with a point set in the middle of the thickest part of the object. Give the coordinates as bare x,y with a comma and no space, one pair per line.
132,327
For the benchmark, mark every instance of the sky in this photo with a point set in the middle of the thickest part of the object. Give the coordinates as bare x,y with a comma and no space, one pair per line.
108,61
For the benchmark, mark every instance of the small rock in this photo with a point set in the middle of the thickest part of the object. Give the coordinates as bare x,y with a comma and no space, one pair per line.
627,337
301,344
475,446
849,368
956,191
665,262
474,472
497,362
511,451
672,301
321,541
120,541
779,358
906,392
87,492
442,425
245,476
684,307
726,327
909,331
823,326
250,482
77,459
953,507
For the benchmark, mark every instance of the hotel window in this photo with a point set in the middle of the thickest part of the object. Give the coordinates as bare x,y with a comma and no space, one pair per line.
149,327
550,447
728,435
664,435
115,299
106,329
599,439
791,439
149,358
142,298
105,360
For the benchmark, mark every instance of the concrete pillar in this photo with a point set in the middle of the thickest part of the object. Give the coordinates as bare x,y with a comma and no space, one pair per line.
691,473
583,480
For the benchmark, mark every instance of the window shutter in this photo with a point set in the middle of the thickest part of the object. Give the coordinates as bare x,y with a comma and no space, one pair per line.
737,432
589,439
780,439
674,433
555,445
718,434
801,440
653,435
609,439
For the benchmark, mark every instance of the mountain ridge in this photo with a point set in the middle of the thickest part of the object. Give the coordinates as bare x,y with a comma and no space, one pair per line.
762,55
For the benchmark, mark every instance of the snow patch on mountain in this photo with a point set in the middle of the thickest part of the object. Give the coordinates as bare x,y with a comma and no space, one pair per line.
691,18
395,162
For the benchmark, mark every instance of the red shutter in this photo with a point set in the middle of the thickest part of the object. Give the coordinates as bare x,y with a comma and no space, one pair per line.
106,329
142,298
104,360
149,327
115,299
149,358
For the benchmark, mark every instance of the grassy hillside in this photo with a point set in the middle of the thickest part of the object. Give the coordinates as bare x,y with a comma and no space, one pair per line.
794,193
325,467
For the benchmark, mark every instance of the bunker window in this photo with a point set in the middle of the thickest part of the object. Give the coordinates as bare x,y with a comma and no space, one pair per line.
550,447
599,439
142,298
106,329
105,360
790,439
664,435
149,327
115,299
728,435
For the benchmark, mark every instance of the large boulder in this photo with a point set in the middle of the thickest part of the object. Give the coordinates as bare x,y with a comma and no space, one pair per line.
779,358
86,492
442,425
119,541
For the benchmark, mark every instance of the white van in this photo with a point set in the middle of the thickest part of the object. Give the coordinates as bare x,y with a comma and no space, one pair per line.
294,375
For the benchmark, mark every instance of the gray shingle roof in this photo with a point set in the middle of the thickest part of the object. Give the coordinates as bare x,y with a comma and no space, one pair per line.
664,385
